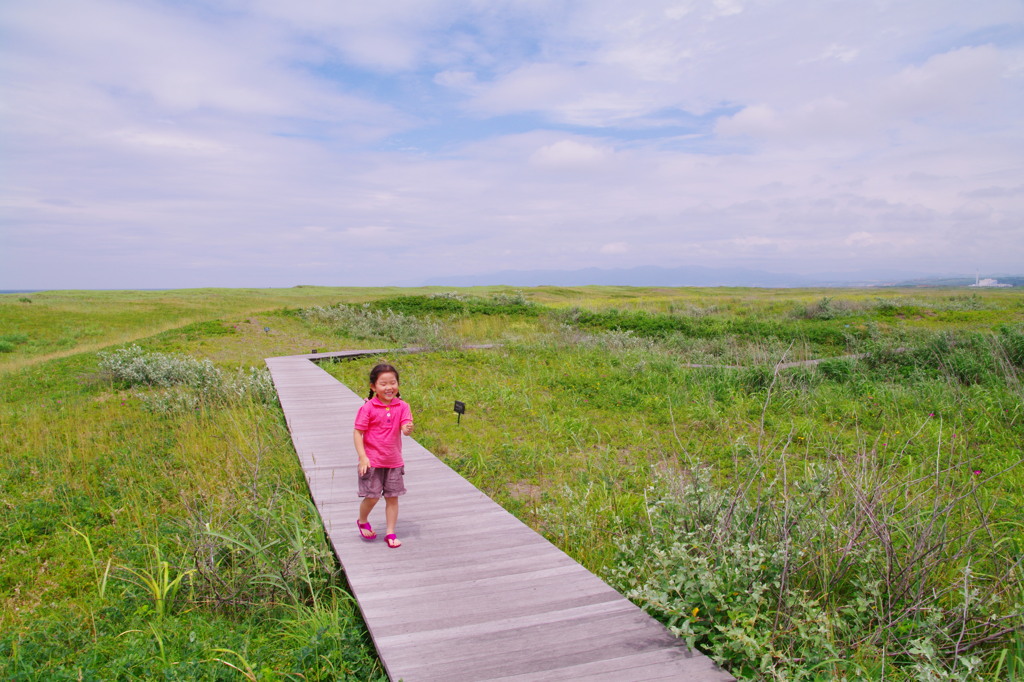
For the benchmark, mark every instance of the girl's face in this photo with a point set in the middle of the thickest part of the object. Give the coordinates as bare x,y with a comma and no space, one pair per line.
386,387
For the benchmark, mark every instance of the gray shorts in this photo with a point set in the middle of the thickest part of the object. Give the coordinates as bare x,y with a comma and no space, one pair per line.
377,481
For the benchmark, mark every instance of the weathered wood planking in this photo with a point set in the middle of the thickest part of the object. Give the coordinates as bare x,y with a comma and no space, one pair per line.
473,593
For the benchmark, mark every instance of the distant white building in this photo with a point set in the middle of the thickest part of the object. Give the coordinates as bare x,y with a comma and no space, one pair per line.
988,282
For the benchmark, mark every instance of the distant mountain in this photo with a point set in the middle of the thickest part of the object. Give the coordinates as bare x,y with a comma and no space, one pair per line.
685,276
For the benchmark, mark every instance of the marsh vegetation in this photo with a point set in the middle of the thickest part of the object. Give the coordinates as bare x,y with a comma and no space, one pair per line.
858,517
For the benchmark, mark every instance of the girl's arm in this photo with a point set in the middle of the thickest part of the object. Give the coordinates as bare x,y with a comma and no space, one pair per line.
407,425
364,461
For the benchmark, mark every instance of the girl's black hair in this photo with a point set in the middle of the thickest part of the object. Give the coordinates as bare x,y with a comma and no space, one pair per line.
382,368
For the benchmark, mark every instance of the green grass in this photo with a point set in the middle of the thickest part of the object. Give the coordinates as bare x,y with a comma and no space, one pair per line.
576,429
60,323
148,533
143,543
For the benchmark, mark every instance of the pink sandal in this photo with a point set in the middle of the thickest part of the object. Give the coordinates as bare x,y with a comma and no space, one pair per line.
363,527
392,541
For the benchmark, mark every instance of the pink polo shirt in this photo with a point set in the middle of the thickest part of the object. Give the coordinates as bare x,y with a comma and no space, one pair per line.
382,430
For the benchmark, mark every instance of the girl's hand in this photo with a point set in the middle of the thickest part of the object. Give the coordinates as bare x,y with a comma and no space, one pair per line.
406,428
364,465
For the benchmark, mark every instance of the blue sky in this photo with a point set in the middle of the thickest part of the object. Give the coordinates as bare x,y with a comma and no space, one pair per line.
152,144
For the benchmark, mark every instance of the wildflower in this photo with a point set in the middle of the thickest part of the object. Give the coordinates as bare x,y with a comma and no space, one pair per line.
976,472
696,610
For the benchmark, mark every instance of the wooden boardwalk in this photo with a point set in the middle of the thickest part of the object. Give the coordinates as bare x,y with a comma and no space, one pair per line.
473,593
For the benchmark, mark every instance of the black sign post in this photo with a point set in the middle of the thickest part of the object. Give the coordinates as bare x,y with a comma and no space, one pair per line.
460,409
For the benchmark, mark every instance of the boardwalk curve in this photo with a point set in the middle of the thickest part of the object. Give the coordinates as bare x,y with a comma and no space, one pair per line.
473,593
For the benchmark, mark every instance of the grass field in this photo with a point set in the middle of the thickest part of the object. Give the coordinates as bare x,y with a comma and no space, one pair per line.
857,517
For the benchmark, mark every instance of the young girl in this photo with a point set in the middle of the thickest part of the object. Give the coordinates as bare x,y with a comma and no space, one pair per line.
380,424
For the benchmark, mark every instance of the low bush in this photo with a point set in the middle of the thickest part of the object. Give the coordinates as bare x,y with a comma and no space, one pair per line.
837,370
969,358
369,322
828,308
453,303
834,573
133,366
188,382
1011,340
663,326
8,342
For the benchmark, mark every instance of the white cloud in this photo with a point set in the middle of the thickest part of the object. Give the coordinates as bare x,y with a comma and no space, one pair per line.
456,79
385,35
294,141
570,154
842,53
614,248
368,232
973,88
161,140
958,83
728,7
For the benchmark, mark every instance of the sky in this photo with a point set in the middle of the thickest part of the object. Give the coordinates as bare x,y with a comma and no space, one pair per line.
230,143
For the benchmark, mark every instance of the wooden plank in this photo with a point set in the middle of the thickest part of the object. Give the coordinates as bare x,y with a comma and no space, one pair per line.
473,593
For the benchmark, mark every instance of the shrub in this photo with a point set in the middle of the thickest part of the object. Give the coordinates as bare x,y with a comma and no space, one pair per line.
516,299
969,302
823,576
836,369
8,342
188,383
453,295
757,378
452,303
663,326
968,358
611,341
1011,339
690,310
828,309
270,550
367,322
134,366
897,307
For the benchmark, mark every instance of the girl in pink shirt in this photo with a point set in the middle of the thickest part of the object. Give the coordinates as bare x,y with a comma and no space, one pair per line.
380,424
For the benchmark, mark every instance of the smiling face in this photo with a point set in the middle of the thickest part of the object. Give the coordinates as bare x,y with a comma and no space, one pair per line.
385,387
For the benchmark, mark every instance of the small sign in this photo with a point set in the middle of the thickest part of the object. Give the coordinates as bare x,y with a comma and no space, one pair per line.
460,409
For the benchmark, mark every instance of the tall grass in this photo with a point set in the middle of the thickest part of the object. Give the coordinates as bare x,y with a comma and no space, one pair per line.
142,544
57,324
848,568
154,525
856,518
365,322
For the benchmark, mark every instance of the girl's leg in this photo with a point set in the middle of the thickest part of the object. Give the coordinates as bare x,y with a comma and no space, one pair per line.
391,514
365,507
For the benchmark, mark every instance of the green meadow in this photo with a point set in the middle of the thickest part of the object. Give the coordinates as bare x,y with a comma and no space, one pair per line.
805,484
